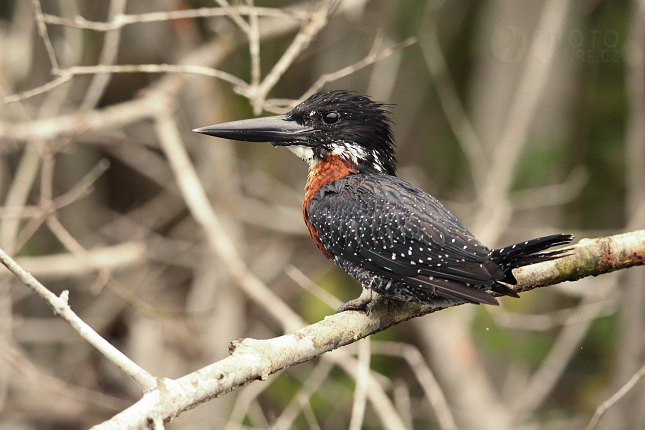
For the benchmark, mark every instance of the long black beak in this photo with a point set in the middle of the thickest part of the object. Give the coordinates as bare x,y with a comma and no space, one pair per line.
275,129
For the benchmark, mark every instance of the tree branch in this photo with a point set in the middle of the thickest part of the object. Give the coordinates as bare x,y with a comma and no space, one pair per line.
61,307
253,359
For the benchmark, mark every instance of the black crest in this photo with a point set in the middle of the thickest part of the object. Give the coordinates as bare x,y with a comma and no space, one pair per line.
351,124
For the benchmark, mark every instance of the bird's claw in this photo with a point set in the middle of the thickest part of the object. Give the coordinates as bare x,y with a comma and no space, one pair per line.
361,303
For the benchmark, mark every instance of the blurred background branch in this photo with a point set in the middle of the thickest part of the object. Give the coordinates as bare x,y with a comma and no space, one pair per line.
523,120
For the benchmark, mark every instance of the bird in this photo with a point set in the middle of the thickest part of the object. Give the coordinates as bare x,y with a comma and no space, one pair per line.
395,239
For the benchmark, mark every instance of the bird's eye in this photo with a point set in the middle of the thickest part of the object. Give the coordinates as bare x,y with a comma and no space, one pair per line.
331,117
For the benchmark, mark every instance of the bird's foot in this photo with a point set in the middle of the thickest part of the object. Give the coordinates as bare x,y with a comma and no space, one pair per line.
361,303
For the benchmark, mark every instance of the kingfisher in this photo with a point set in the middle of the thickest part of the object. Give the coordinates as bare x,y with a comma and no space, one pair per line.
395,239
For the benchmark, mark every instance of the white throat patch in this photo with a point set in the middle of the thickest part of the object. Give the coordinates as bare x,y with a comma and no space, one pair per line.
343,150
305,153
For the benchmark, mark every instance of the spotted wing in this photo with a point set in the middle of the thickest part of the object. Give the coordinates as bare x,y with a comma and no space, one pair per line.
397,231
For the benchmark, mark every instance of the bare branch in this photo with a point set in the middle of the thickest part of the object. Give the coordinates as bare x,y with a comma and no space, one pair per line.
431,387
79,191
60,306
371,58
201,209
495,208
257,359
254,44
108,56
60,80
543,381
121,21
360,393
310,30
231,12
446,90
42,30
309,387
616,397
115,257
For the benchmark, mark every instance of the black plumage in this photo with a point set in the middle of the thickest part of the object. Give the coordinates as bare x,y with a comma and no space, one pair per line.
403,243
394,238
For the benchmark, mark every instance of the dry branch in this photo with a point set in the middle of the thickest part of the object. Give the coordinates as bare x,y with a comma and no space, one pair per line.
253,359
61,307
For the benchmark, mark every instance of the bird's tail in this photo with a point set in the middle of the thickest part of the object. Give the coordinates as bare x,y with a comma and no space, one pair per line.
529,252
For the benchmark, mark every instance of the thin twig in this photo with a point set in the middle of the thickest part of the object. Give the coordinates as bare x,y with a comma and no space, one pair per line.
308,388
201,209
449,98
121,21
309,31
254,44
243,403
551,195
549,321
495,208
67,74
60,80
108,56
22,366
42,30
61,307
19,189
616,397
308,285
156,68
65,265
82,187
373,57
360,393
80,190
424,375
384,410
551,368
46,179
232,13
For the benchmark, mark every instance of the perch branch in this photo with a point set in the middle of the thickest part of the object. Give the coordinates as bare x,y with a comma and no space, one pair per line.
253,359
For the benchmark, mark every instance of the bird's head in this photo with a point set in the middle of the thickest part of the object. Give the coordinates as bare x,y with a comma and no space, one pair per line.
341,123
